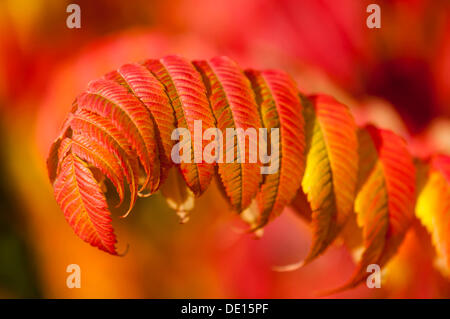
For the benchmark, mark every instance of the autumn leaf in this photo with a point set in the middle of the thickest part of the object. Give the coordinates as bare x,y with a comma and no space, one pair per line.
234,106
385,198
84,204
100,129
341,180
433,204
281,108
144,85
97,156
329,183
133,120
187,94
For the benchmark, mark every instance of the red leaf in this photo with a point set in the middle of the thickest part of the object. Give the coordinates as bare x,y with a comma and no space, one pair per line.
187,94
234,106
132,118
84,204
280,107
331,170
144,85
108,136
386,194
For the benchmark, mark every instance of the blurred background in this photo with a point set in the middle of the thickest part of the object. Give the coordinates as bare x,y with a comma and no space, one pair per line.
396,76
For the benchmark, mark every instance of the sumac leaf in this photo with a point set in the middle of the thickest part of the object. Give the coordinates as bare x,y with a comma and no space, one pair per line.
330,178
340,179
187,95
94,154
234,106
131,117
84,204
144,85
385,198
100,129
281,108
433,204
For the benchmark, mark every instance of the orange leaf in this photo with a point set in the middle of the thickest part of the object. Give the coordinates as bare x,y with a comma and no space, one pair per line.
141,83
385,201
187,94
92,153
133,120
122,128
234,106
331,170
84,204
281,108
433,205
100,129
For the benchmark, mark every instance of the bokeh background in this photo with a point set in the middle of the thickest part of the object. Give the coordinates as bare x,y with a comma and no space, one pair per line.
396,76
